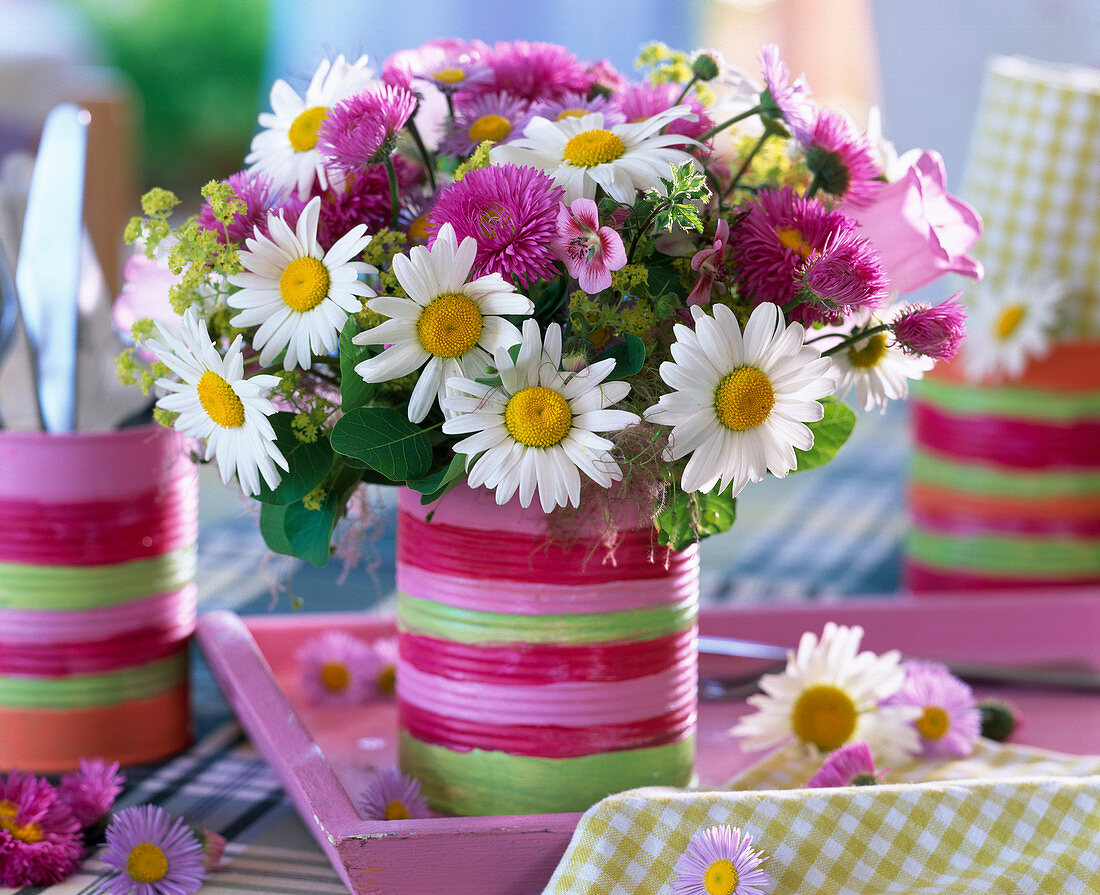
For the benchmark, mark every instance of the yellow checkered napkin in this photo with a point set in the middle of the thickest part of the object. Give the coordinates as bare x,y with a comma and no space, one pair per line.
1008,820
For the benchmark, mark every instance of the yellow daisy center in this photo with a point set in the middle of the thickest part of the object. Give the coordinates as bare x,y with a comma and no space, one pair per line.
571,113
743,399
452,75
147,863
30,833
594,147
396,810
303,129
720,878
538,417
220,401
304,284
418,229
872,352
825,716
450,325
1009,319
335,676
490,127
386,682
933,723
790,238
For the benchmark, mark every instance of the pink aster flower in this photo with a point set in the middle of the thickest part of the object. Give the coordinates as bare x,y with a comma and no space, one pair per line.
362,130
510,210
336,669
590,252
534,71
392,795
39,837
260,198
152,853
851,765
845,274
921,231
363,198
710,264
932,330
499,117
603,76
90,792
950,722
782,99
383,666
841,158
719,859
771,243
573,105
449,64
642,101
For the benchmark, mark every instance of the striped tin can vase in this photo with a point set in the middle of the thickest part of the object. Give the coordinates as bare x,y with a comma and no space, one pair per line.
97,596
536,673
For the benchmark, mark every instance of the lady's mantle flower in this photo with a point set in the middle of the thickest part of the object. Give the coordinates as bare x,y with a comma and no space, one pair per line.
590,252
152,853
447,325
216,403
298,295
739,404
831,695
719,861
851,765
392,795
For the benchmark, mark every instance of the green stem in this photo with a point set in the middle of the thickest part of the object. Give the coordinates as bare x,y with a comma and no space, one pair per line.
747,161
814,186
423,150
856,337
392,175
721,127
687,87
642,229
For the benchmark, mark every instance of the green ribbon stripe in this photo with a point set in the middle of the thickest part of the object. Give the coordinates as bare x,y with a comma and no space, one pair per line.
431,619
480,782
1058,558
1019,403
975,478
86,691
91,587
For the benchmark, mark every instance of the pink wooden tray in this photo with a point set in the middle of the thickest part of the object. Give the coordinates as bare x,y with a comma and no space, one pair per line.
324,757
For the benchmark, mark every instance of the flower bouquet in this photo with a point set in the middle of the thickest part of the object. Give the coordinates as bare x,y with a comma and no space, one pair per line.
567,312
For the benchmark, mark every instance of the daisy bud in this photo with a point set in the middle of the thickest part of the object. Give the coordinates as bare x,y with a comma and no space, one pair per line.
705,66
935,331
999,720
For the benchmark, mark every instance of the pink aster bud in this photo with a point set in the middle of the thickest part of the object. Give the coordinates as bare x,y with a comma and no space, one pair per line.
846,274
934,331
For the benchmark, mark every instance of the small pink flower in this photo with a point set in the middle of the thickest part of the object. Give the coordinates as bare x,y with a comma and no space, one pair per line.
336,669
846,274
362,129
921,231
841,158
934,331
392,795
851,765
950,722
577,104
91,792
709,263
39,837
534,71
641,101
790,101
590,252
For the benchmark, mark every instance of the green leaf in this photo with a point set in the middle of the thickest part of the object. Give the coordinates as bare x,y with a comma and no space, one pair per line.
629,355
273,529
310,531
386,441
354,392
830,433
687,518
309,463
432,487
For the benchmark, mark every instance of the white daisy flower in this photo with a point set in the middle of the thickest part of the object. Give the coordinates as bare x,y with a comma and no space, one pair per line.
217,404
1008,326
536,430
447,325
740,403
830,695
876,366
581,154
298,295
286,149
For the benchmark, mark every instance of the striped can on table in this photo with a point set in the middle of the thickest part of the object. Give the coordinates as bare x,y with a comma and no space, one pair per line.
97,596
1004,487
538,673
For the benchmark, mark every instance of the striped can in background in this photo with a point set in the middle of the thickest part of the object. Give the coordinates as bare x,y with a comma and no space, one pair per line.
97,596
538,671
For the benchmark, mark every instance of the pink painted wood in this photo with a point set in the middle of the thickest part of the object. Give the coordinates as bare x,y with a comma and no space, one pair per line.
324,757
